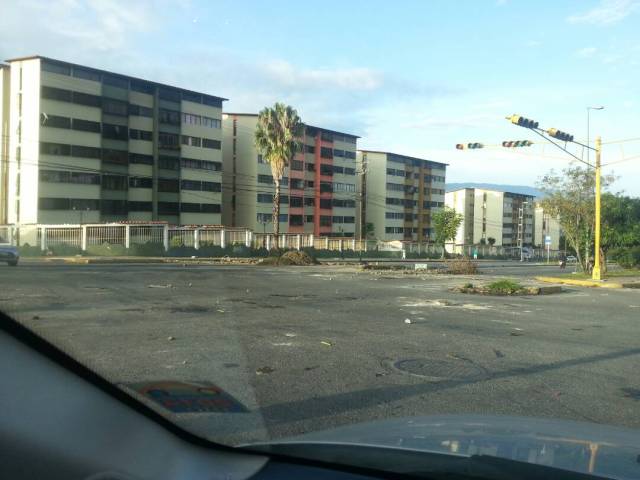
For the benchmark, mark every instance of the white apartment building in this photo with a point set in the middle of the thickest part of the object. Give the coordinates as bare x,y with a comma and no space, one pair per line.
546,226
506,217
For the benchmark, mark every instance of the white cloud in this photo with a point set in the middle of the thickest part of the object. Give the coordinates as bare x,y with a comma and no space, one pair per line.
586,52
355,79
607,12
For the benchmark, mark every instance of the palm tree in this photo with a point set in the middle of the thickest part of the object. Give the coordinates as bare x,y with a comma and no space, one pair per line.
277,138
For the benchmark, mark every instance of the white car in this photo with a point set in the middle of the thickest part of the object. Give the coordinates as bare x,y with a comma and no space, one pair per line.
571,259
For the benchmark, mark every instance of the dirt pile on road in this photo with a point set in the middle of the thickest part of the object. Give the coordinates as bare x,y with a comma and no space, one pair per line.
290,258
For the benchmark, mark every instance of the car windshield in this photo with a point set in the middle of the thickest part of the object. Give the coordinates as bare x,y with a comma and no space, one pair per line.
266,220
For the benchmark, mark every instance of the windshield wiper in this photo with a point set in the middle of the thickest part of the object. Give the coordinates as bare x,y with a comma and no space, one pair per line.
418,463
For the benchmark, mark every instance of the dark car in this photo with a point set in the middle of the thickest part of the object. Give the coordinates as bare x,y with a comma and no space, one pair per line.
9,253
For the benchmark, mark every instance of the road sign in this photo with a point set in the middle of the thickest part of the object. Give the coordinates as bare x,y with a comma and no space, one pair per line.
547,240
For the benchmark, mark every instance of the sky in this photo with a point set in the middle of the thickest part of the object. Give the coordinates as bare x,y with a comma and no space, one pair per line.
411,77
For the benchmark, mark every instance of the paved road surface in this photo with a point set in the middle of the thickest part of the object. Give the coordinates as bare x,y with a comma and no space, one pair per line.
310,348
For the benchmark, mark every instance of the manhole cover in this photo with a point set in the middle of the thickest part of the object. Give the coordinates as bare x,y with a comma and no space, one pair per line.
458,369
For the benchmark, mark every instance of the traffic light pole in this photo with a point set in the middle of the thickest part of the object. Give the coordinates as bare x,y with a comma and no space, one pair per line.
596,273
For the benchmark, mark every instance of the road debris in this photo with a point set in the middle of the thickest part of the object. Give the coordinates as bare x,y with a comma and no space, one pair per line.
289,334
35,317
407,321
516,334
328,344
219,310
168,285
171,338
264,370
498,353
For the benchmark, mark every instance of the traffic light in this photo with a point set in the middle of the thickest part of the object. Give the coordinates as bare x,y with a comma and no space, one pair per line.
522,122
555,133
462,146
517,143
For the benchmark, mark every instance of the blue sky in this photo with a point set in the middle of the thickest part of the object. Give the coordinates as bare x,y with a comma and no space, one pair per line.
414,77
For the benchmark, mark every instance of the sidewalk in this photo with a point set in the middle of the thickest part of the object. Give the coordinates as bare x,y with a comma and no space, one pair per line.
615,282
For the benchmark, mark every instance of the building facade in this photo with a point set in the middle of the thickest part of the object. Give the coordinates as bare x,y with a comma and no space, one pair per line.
506,217
546,226
4,141
87,145
400,194
319,190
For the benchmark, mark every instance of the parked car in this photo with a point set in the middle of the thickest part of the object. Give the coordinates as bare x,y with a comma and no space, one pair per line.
571,259
9,253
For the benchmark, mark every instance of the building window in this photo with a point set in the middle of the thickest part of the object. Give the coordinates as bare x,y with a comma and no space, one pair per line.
168,185
140,111
140,206
80,151
169,141
297,183
212,101
326,136
338,169
170,94
266,179
86,125
325,203
142,87
87,99
326,187
115,81
140,159
309,218
343,203
172,117
191,141
59,94
192,97
309,201
309,183
211,186
297,165
338,153
209,143
49,148
295,202
325,220
326,169
168,163
57,176
349,171
310,149
265,198
295,220
168,208
264,217
115,107
200,164
326,152
114,132
140,135
86,74
190,207
190,185
261,160
54,121
140,182
350,155
211,208
311,167
114,182
58,68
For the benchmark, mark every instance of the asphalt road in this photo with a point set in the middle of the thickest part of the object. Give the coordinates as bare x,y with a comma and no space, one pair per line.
309,348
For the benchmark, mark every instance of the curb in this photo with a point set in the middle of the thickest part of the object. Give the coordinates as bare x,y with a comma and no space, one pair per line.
581,283
137,260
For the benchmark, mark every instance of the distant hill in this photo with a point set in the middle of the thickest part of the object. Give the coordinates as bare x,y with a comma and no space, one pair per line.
523,189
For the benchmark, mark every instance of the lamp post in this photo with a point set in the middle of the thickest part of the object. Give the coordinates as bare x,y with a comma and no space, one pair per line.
588,125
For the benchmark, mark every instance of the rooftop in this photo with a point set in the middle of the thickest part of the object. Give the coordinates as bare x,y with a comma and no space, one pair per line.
404,156
53,60
237,114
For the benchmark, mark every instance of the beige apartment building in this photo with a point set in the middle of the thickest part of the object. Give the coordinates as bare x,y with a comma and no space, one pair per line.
400,193
86,145
505,216
319,191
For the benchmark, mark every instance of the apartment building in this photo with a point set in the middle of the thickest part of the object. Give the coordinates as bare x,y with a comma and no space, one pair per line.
4,141
400,193
546,225
506,217
87,145
319,189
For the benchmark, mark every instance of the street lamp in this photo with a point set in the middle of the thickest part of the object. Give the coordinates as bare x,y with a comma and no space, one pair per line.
588,132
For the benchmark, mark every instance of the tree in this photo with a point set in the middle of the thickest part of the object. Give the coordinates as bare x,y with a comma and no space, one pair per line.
620,227
491,241
277,138
569,196
369,230
445,225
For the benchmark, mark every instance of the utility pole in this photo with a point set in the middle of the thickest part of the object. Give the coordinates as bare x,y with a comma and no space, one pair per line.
596,273
520,232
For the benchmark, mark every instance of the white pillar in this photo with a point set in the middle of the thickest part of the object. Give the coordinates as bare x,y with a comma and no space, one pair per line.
127,236
83,239
298,242
223,240
326,243
247,238
312,243
366,245
268,242
353,244
43,238
165,237
196,238
341,242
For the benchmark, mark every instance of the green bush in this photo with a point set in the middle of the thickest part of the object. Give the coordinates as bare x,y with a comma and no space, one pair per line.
27,250
504,287
626,257
65,250
107,250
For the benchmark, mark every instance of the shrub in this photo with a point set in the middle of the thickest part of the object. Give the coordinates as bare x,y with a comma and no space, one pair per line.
626,257
504,287
27,250
462,266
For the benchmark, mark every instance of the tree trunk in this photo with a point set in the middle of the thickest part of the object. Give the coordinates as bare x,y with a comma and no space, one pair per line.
276,215
603,262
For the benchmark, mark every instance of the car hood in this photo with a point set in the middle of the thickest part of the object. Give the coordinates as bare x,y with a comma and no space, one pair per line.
8,248
611,452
